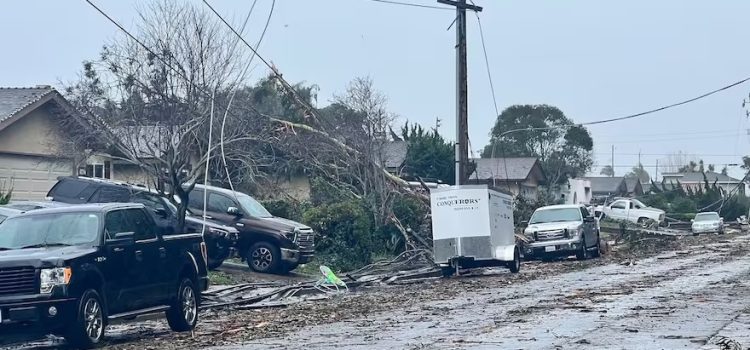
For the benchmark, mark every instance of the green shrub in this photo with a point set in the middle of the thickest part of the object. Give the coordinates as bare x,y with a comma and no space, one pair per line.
683,205
286,209
5,197
345,233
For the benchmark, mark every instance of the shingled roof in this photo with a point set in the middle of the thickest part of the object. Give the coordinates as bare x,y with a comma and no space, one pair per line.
518,169
607,184
13,101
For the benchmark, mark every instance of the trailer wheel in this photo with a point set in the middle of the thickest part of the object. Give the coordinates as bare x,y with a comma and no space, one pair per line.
515,265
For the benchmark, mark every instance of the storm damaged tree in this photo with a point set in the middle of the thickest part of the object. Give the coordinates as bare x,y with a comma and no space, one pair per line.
563,148
152,108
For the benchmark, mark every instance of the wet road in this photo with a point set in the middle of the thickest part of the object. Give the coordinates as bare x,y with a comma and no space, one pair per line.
680,300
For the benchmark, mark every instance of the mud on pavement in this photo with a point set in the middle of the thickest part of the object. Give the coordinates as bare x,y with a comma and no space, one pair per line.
624,300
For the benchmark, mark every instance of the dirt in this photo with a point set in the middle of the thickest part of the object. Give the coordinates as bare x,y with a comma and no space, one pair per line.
416,313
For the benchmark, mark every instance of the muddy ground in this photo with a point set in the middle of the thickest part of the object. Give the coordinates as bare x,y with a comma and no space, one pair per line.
682,292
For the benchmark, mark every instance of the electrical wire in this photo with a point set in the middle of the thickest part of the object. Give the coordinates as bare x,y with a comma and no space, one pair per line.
413,5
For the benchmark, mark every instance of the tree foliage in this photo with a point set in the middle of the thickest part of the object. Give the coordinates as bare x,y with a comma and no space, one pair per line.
640,173
564,149
428,154
607,170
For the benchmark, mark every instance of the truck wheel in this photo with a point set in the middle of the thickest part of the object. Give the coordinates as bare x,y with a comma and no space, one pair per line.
182,315
643,222
582,253
88,329
264,257
598,252
515,265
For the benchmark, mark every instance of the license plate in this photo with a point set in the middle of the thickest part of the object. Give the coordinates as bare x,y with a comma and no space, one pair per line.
550,248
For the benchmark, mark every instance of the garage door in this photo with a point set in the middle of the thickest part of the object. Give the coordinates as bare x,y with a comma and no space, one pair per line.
30,177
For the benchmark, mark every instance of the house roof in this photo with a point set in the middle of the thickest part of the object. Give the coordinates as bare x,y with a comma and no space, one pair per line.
632,183
698,177
602,184
14,101
394,153
495,168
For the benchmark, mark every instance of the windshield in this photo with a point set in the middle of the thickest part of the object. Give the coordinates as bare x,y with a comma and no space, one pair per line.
49,229
638,204
707,217
253,208
555,215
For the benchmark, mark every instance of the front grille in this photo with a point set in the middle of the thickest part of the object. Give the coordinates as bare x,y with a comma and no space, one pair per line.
305,239
18,280
549,235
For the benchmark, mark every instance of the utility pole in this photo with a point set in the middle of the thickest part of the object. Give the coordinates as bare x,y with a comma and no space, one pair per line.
657,171
613,160
462,87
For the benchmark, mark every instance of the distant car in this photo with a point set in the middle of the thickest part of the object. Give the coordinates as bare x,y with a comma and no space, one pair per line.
631,210
709,222
562,230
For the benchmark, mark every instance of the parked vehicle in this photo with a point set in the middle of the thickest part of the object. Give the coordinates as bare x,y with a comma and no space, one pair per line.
75,190
631,210
269,244
70,271
708,222
562,230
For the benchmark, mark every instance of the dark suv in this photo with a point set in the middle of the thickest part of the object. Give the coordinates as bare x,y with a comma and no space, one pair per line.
269,244
76,190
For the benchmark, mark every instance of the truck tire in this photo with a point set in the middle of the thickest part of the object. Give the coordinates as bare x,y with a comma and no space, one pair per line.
515,265
264,257
87,331
583,253
182,315
598,252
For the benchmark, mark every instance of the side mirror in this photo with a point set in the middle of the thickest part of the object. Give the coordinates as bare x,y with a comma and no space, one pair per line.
524,223
692,220
589,219
234,211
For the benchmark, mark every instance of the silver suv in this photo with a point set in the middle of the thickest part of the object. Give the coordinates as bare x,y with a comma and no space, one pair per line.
562,230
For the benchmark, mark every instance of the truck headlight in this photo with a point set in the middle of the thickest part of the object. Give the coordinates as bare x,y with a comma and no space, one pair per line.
50,278
291,235
218,232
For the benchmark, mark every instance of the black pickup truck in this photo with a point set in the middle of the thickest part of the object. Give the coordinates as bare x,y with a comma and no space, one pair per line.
69,271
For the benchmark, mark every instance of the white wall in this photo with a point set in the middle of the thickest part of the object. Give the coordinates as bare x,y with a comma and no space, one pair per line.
577,191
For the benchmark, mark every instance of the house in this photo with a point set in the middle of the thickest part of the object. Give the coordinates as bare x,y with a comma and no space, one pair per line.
393,155
520,176
608,186
33,152
634,186
30,140
576,191
695,180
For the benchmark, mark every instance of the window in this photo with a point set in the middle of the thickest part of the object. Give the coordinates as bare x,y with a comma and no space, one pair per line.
112,194
555,215
219,203
116,222
152,202
618,205
72,189
196,199
100,170
142,226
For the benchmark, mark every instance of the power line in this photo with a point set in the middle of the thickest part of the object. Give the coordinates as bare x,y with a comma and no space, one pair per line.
668,106
412,5
487,64
671,154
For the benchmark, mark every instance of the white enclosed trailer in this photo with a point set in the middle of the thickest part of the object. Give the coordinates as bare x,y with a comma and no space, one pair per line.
472,226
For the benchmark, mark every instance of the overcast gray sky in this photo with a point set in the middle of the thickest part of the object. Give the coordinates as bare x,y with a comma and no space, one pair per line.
593,59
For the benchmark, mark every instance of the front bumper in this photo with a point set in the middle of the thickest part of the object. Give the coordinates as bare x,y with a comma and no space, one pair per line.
553,247
296,256
32,316
707,230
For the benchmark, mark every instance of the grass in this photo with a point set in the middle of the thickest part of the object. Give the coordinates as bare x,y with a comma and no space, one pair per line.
219,278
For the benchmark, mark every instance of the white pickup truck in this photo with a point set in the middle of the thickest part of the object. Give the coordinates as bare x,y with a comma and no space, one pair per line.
630,210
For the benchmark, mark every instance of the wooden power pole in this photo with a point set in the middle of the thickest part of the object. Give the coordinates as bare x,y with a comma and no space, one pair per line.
462,102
